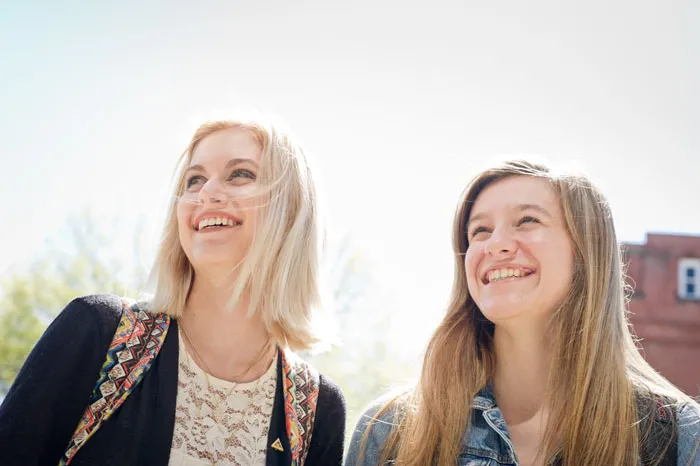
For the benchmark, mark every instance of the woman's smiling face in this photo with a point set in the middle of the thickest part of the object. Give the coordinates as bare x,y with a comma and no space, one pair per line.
520,257
218,209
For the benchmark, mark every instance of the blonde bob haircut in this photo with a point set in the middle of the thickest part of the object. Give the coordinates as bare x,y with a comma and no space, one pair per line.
596,373
282,265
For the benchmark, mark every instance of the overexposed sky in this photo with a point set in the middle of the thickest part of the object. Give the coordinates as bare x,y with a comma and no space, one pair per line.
400,102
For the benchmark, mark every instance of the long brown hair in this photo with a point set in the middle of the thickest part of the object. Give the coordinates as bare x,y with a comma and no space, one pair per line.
596,372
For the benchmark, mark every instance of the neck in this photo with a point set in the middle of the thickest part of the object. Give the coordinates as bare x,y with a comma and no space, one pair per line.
522,371
223,335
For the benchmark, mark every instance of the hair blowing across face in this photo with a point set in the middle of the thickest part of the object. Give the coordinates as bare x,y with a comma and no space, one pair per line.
281,268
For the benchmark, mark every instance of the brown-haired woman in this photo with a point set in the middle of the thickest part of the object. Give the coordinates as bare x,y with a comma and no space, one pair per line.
534,363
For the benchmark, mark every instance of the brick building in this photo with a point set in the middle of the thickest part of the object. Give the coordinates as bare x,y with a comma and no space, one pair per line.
665,274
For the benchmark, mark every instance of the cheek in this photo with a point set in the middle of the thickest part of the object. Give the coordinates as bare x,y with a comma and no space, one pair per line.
538,238
560,259
567,259
183,220
471,263
254,216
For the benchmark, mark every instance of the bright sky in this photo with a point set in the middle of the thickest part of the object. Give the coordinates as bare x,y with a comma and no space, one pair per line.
400,102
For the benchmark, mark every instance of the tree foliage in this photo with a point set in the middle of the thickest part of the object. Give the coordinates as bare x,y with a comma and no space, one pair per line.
72,265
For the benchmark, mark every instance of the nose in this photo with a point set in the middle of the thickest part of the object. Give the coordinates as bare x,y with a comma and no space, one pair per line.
212,192
501,243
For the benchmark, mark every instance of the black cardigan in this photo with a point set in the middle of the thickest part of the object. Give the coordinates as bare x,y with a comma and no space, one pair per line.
43,406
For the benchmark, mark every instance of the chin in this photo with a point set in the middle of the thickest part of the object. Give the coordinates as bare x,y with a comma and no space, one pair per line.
500,316
216,263
504,312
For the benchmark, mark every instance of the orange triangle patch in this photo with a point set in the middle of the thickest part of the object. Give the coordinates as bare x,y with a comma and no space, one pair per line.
277,445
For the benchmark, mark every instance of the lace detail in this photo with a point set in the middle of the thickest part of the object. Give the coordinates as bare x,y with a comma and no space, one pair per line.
220,422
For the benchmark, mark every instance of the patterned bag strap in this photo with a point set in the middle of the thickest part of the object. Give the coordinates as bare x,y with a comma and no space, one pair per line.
135,345
301,387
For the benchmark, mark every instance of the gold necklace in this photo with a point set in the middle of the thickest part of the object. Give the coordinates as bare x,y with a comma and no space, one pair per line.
217,451
226,394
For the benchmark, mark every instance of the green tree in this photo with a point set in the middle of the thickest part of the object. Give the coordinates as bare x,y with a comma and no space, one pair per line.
74,264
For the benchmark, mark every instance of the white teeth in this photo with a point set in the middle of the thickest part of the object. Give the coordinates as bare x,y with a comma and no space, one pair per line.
501,274
223,221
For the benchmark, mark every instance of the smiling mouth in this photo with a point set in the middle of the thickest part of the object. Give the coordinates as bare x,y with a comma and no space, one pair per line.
218,223
509,273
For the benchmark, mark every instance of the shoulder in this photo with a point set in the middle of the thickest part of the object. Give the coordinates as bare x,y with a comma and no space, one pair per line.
98,307
69,355
372,430
103,309
330,407
330,394
380,418
689,415
689,434
89,316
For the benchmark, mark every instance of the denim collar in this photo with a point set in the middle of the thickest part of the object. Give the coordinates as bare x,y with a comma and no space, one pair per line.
488,435
484,399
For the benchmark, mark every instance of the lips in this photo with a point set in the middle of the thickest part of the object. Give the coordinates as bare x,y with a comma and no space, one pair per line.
215,220
495,274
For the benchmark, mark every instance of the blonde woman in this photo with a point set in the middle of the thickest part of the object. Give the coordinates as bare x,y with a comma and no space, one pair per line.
204,373
534,363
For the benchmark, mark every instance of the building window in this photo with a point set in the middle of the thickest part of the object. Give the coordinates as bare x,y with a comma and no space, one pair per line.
689,279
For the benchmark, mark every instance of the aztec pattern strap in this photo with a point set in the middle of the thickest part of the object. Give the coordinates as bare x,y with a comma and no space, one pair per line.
301,387
135,345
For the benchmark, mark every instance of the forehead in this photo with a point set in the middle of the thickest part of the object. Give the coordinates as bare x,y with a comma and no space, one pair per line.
226,144
507,194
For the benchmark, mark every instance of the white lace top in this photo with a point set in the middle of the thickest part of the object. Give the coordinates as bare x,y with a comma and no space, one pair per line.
220,422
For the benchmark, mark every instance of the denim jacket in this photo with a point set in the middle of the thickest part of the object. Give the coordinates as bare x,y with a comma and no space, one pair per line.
487,442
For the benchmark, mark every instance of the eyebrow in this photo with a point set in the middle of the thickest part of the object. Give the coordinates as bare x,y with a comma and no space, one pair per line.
519,207
229,164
